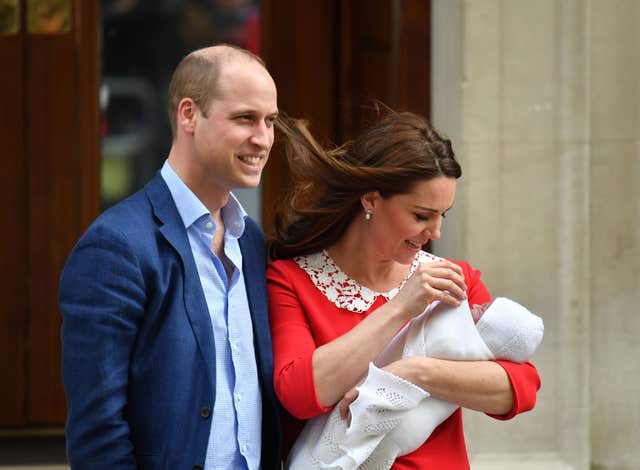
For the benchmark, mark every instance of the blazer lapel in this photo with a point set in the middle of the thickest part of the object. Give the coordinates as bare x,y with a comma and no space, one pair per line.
253,267
172,228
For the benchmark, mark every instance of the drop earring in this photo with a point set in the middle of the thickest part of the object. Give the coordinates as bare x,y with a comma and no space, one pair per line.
368,214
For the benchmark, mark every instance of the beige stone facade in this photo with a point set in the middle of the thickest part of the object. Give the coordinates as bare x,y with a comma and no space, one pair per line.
542,101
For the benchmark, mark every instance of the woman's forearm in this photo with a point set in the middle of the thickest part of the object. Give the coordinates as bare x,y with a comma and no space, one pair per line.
477,385
341,363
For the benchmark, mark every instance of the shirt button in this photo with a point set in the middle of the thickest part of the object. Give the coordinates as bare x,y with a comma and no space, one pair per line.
209,225
205,412
244,448
238,397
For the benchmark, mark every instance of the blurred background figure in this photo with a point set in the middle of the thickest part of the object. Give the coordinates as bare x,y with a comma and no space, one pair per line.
142,42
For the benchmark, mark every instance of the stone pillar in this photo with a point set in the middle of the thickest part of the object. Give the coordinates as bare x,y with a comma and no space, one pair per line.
541,102
614,293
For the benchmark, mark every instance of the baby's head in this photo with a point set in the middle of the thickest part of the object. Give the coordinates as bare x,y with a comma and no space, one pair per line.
478,309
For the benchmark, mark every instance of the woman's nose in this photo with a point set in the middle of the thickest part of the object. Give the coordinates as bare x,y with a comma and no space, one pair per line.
433,231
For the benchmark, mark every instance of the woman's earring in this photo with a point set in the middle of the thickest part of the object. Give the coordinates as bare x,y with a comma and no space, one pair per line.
368,214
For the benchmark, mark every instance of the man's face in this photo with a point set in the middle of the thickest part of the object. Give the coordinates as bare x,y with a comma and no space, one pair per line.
232,143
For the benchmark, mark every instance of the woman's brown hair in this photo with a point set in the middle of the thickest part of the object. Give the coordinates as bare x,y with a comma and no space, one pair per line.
390,156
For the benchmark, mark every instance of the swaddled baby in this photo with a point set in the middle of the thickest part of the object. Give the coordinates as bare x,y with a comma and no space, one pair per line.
393,417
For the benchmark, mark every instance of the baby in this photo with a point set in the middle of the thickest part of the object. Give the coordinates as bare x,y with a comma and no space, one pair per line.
393,417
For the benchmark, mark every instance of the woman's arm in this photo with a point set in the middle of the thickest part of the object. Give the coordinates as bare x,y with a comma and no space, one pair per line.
501,389
335,367
310,378
477,385
341,363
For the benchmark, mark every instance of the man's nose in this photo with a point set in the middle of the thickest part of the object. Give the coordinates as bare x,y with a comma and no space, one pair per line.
262,136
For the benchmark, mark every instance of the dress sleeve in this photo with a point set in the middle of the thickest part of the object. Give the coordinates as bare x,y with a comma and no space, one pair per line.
525,382
293,344
477,292
524,377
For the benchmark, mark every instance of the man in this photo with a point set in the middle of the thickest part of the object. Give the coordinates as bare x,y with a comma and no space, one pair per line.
166,353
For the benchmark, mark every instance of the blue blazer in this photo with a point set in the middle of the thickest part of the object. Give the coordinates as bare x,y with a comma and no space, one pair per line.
138,356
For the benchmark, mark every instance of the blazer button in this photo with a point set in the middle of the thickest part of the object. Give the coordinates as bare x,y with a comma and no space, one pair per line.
205,412
198,467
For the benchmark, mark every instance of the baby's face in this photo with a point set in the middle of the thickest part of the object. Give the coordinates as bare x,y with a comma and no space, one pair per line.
478,309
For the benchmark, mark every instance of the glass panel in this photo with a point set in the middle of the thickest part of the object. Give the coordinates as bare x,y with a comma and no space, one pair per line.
9,17
48,16
142,42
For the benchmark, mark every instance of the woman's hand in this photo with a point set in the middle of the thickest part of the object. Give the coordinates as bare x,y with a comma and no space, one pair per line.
440,280
345,403
403,368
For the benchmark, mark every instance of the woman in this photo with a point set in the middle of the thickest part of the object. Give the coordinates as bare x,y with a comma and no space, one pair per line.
349,272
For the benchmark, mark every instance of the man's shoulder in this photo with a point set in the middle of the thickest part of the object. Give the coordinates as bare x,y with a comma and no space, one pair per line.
132,218
127,214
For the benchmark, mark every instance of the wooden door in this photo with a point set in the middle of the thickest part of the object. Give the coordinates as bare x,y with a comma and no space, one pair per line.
332,58
329,58
49,124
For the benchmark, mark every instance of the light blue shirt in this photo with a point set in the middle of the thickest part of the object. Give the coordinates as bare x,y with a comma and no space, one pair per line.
236,428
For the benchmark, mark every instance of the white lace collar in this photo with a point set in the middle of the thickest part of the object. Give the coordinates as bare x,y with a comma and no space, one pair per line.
343,291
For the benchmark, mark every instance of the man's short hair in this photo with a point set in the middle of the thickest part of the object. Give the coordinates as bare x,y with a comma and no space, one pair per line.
197,74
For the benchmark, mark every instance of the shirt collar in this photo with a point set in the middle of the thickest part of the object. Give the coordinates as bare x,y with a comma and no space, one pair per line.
234,214
191,209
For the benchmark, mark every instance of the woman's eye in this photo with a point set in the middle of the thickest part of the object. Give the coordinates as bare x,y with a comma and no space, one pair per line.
421,218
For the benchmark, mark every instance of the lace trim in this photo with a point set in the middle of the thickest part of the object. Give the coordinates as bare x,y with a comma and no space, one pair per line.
343,291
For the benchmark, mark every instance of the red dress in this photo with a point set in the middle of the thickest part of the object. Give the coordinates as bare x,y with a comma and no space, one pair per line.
304,318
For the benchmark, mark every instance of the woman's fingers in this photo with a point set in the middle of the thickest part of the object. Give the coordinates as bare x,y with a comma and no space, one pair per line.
446,288
447,298
441,280
447,281
447,276
346,401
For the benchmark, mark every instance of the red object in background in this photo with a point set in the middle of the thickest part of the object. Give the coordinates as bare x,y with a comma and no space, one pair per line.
252,33
104,126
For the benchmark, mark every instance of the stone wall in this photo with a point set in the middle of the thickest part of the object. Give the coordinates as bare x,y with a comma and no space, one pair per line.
542,101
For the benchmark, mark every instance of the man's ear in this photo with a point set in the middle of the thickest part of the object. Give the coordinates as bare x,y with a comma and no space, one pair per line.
186,115
370,200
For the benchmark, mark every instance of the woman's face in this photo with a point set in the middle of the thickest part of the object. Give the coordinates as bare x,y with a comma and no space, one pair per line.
401,224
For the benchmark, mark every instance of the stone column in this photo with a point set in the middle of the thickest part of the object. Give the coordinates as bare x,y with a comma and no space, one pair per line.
541,102
614,293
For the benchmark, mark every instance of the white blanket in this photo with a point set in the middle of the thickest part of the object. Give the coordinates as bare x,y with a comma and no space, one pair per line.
393,417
